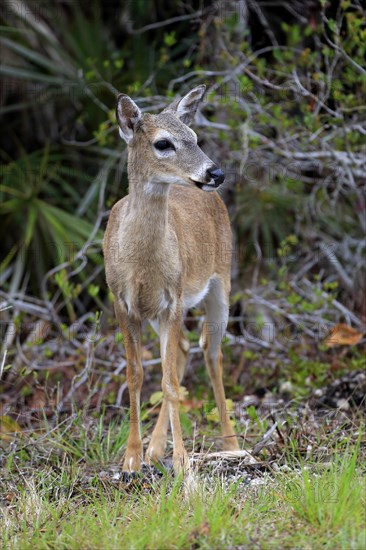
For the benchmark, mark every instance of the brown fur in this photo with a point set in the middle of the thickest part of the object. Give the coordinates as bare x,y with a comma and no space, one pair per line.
136,254
166,243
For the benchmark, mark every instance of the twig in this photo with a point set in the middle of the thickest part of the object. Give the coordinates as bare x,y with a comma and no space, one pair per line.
265,440
3,363
167,22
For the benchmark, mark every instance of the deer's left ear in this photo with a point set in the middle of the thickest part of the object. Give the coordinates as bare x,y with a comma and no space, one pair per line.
186,107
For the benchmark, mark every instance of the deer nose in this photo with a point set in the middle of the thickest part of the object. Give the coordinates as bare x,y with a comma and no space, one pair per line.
217,175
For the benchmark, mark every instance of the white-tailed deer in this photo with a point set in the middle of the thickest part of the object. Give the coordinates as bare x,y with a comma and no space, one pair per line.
167,248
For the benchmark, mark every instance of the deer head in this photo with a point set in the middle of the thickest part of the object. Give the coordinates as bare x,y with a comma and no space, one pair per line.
163,149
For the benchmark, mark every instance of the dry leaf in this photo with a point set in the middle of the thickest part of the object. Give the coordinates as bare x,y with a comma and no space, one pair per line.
343,335
202,531
38,400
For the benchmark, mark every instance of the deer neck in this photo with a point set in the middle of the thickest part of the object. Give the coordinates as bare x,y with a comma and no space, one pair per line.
148,209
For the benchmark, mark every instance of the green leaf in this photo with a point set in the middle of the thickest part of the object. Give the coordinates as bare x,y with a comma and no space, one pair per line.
36,57
156,397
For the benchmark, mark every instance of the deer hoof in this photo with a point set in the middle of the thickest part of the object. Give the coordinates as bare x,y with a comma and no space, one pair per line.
132,463
154,455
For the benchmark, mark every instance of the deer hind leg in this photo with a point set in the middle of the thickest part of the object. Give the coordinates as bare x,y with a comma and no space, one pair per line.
217,310
156,448
131,331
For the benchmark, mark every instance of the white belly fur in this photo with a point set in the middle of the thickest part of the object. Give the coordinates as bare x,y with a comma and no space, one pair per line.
192,300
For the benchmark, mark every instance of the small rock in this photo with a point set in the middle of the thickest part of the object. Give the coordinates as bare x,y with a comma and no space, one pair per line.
343,404
286,387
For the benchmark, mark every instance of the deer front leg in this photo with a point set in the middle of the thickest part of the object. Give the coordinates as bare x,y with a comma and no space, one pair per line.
131,331
156,448
169,340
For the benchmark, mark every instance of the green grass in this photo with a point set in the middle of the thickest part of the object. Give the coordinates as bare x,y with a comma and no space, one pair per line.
314,506
59,491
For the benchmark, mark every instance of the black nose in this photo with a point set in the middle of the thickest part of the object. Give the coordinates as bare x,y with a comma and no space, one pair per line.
217,175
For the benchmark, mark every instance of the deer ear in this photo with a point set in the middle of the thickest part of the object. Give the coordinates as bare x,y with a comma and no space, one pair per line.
128,115
186,108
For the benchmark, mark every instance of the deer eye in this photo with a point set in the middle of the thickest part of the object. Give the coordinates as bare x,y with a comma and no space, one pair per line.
163,145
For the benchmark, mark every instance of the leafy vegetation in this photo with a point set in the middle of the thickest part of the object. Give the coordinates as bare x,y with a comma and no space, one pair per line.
285,117
292,106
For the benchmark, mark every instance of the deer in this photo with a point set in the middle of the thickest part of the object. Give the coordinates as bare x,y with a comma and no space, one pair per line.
167,249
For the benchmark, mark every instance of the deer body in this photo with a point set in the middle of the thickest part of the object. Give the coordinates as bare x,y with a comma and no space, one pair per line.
166,249
157,266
